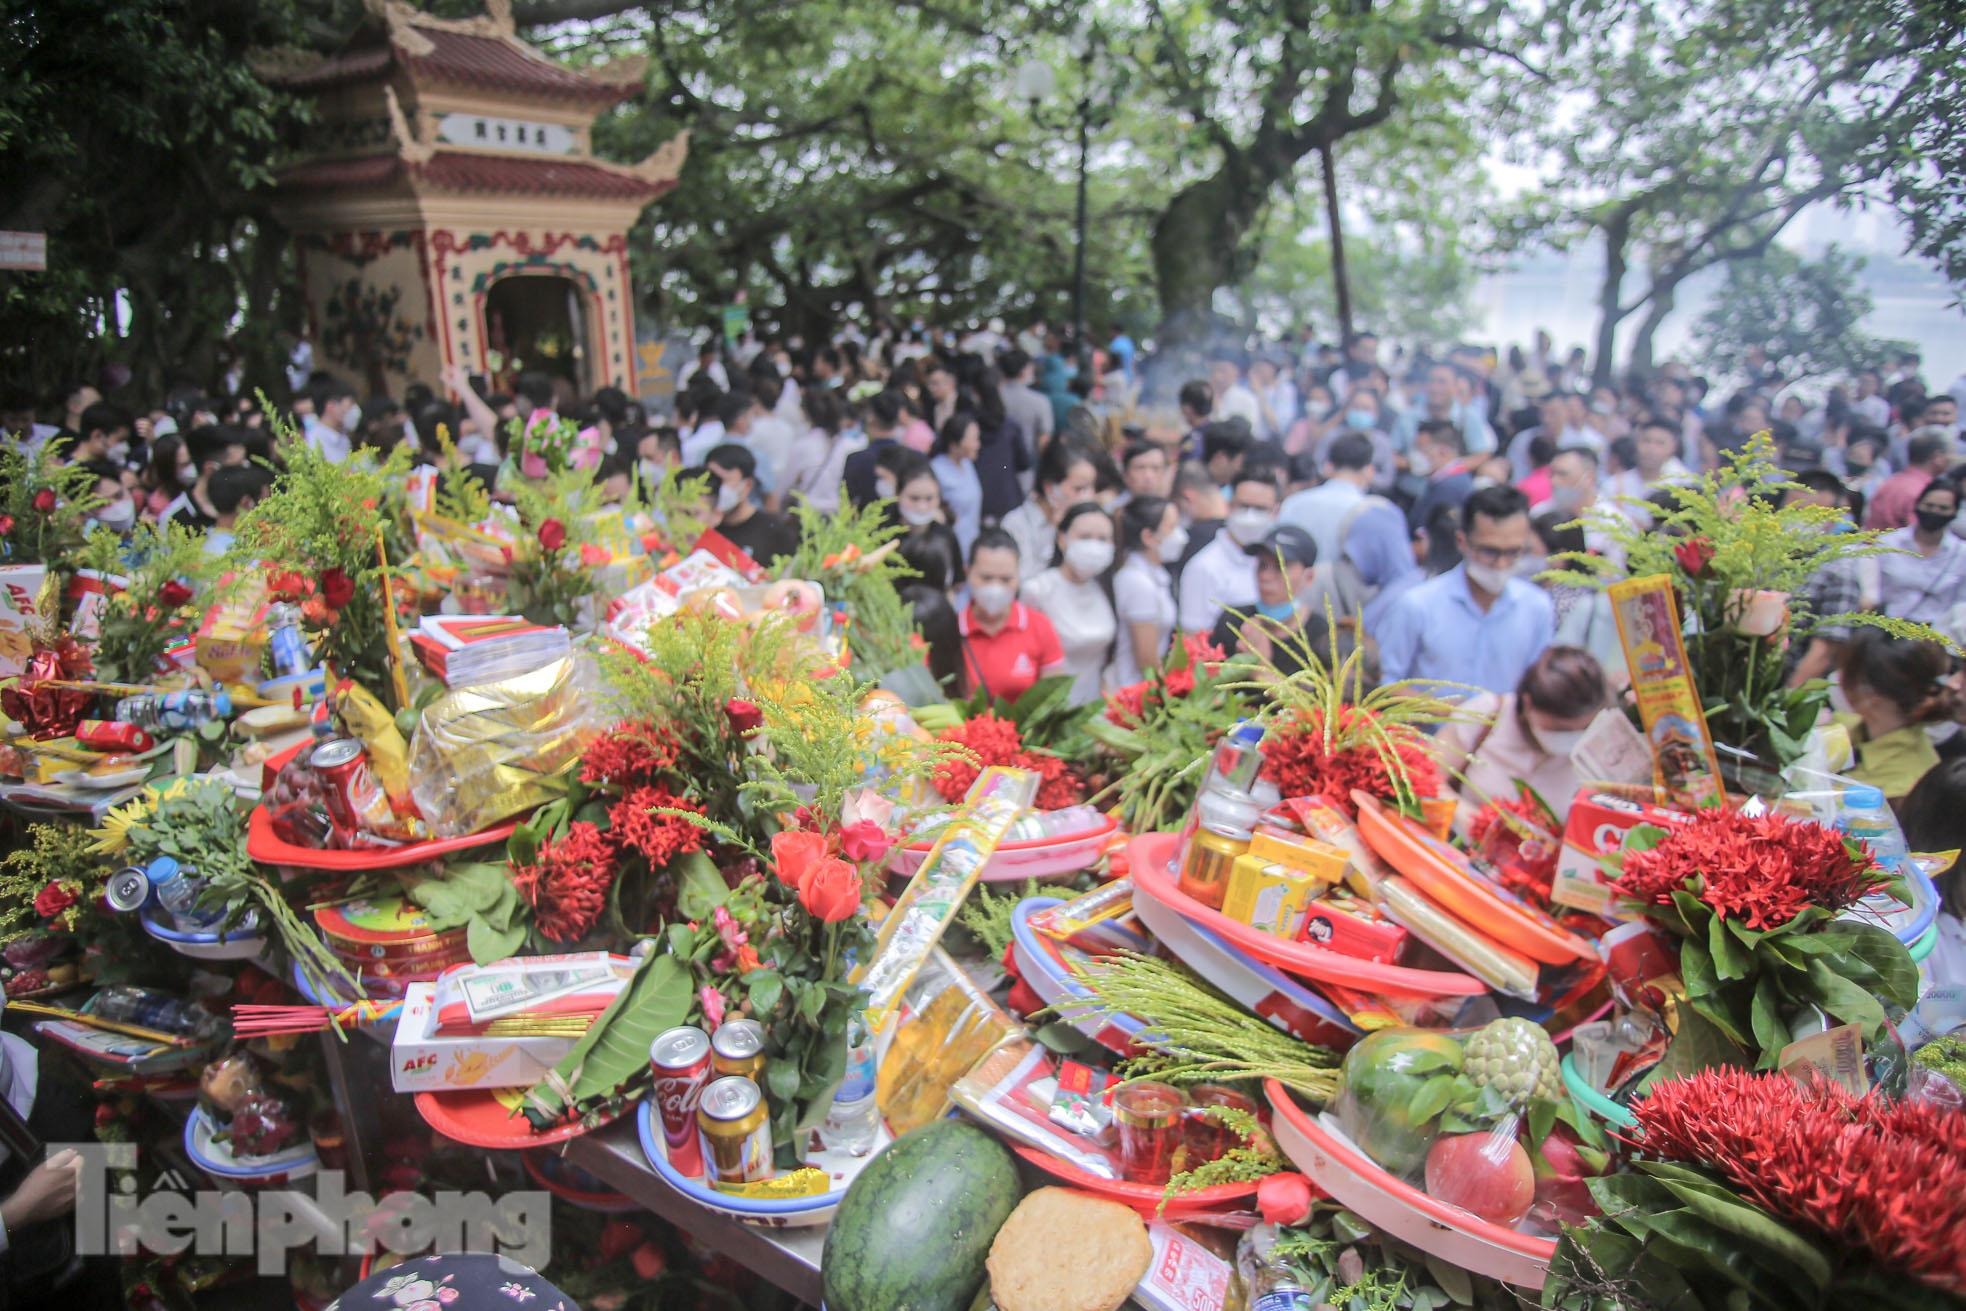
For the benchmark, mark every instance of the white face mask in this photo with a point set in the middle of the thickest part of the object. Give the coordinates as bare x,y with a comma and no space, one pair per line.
728,498
119,452
1248,527
351,419
1559,743
883,489
1173,544
1089,557
118,515
1418,463
992,599
1487,577
916,518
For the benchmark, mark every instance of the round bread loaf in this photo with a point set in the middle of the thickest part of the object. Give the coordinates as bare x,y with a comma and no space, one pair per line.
1067,1251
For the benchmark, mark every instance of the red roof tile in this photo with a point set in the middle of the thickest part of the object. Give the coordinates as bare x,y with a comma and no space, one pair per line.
459,58
458,171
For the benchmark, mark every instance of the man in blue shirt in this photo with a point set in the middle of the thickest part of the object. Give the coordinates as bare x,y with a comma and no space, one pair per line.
1476,624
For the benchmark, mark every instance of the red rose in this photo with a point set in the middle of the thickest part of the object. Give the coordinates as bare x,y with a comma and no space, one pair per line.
648,1261
52,900
594,556
796,853
174,594
831,892
552,534
745,717
1284,1199
1694,554
291,585
864,841
315,611
44,500
6,524
337,588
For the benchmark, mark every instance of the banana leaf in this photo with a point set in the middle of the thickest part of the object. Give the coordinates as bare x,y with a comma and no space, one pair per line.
616,1048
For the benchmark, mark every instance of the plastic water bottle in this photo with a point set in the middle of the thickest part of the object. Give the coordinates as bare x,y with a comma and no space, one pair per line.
1268,1283
174,712
177,890
854,1122
1863,814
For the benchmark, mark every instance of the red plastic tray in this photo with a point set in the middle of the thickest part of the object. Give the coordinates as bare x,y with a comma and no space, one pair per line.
266,847
1348,1176
1149,857
476,1119
1201,1204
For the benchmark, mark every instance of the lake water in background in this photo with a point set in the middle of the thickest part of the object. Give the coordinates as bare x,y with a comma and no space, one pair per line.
1559,293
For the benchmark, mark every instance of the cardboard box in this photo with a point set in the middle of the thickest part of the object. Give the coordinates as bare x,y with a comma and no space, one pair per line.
1600,817
421,1060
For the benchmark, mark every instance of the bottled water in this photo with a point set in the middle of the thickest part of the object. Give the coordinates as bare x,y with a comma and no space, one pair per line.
854,1122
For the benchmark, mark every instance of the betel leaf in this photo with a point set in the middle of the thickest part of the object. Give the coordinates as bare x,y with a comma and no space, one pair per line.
460,892
700,889
1873,958
1771,1032
1783,1250
488,943
1704,992
1730,959
616,1047
1697,1045
1840,997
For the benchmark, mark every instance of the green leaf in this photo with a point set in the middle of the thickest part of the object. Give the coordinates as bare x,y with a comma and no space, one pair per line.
1730,959
700,889
1872,957
1703,989
782,1078
1840,997
489,943
1771,1032
615,1048
766,987
1434,1096
460,892
1790,1253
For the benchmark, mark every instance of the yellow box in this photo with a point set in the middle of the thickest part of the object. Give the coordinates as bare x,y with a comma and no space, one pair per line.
1323,861
1269,895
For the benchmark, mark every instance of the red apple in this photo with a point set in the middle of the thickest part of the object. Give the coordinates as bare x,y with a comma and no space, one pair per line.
1486,1173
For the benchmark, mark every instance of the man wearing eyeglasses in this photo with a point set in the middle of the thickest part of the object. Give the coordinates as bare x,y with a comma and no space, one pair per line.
1477,624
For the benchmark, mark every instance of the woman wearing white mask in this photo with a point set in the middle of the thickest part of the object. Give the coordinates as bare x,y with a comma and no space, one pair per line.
1007,646
1076,595
929,545
953,458
1066,475
1527,735
1151,537
117,512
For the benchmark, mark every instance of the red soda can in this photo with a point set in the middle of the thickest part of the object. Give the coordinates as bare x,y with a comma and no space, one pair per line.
680,1058
355,800
112,735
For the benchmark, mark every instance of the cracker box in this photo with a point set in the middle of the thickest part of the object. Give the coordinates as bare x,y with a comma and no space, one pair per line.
1600,817
422,1060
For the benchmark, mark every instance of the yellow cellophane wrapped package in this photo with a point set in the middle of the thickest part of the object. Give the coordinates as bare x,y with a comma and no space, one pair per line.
945,1026
491,750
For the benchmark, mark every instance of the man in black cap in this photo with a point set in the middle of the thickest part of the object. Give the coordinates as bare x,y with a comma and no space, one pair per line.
1277,628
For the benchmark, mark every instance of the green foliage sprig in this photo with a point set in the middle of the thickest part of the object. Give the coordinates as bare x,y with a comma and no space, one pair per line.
55,853
549,580
44,503
141,622
849,553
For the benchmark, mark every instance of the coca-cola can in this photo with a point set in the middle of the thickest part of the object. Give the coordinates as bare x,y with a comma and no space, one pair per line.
356,801
680,1060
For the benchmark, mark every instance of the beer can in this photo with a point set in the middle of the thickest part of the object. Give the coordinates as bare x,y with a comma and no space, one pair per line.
734,1129
112,735
680,1061
356,801
127,890
739,1048
1206,867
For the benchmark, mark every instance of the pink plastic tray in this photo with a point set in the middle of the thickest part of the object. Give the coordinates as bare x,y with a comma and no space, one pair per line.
1353,1179
1150,857
1034,858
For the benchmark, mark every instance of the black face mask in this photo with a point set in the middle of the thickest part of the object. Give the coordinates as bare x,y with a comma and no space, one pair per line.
1934,521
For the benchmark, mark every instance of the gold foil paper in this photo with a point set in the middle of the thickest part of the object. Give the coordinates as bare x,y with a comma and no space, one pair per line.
491,750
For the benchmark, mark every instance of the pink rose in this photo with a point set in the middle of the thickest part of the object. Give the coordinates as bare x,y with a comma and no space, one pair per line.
864,841
532,466
713,1006
1284,1199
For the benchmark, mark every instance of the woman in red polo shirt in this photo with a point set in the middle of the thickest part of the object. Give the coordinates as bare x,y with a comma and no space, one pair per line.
1007,646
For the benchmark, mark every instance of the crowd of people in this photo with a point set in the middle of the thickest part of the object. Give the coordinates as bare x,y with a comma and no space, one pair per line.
1292,499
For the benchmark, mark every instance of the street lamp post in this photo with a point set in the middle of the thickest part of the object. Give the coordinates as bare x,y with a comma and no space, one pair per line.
1036,82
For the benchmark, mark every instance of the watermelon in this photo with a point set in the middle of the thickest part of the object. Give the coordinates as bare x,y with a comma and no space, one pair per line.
915,1227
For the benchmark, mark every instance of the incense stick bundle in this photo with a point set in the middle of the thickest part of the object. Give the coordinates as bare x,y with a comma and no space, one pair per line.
158,1036
264,1021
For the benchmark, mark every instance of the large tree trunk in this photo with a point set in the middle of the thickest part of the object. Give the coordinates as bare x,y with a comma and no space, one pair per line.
1195,243
1617,236
1639,364
1341,281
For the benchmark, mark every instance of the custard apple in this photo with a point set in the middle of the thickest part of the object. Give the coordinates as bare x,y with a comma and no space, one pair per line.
1514,1056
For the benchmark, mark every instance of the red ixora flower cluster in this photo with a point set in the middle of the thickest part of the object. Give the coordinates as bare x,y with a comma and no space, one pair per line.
1295,759
567,887
1762,870
659,838
997,742
1128,705
633,752
1887,1177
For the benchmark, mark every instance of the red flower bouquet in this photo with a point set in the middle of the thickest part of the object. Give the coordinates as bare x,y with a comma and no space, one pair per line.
1756,902
1303,760
997,742
1884,1178
567,886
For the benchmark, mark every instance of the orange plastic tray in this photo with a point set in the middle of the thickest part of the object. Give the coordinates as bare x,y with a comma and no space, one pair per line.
1150,856
1442,873
477,1118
